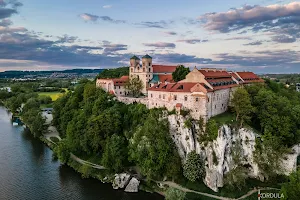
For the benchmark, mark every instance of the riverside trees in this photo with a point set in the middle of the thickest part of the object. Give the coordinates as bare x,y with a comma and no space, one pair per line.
93,124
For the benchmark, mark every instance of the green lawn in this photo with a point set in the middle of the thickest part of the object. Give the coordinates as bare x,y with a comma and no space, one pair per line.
54,95
224,118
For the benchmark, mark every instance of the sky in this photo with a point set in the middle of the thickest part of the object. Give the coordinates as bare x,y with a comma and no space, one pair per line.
255,35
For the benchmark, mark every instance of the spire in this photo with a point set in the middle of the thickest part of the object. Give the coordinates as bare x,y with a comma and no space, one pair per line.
147,56
134,58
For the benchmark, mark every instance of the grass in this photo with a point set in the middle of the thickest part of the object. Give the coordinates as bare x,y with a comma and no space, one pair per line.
194,196
224,118
54,95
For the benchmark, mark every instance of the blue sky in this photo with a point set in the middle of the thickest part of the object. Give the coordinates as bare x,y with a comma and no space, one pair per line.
261,36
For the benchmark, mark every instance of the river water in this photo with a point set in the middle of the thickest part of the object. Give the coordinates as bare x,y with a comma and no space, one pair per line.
27,171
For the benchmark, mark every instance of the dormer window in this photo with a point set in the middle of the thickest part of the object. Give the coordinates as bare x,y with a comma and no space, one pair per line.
180,87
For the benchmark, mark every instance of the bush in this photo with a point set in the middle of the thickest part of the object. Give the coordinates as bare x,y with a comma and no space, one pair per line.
193,169
188,123
172,194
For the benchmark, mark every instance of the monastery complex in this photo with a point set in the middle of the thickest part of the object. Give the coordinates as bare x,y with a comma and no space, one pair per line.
205,92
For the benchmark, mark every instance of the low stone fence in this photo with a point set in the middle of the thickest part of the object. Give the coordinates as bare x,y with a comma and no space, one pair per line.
130,100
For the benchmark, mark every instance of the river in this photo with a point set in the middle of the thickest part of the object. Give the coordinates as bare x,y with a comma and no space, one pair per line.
27,171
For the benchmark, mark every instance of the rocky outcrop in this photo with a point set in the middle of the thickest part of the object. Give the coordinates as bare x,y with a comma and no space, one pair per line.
133,185
218,153
121,181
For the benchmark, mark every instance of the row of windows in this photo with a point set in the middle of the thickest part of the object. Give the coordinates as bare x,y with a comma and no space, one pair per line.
223,83
175,97
144,70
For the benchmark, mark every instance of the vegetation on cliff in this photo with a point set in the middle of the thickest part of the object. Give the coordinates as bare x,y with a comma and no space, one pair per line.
114,73
94,124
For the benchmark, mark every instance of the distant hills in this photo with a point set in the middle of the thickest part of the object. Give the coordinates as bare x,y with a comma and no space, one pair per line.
40,74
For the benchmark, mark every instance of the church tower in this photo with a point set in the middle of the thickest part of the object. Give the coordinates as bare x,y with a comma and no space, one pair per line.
143,71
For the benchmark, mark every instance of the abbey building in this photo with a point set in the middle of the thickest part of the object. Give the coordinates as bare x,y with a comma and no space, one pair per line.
205,92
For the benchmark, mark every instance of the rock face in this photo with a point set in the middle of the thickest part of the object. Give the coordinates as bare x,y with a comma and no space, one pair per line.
218,153
133,185
121,181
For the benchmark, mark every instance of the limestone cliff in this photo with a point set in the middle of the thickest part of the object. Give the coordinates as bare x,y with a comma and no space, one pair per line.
217,154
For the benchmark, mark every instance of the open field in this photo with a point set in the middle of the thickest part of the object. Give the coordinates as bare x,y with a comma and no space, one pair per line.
54,95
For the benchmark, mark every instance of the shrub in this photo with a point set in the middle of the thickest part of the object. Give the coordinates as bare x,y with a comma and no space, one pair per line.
172,194
193,169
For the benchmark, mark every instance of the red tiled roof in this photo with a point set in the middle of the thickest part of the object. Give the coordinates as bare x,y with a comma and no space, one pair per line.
178,105
233,74
163,69
173,87
219,80
165,78
214,74
250,77
120,81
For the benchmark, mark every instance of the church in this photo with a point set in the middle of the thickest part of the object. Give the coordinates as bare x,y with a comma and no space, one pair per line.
204,92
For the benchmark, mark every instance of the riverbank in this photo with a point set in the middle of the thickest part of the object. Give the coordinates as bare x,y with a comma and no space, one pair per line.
27,171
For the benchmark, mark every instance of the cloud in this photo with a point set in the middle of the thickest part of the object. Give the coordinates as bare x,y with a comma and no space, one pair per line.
239,38
107,6
284,39
256,43
170,33
112,48
158,24
257,18
177,58
8,8
67,39
93,18
5,22
192,41
160,45
7,12
4,29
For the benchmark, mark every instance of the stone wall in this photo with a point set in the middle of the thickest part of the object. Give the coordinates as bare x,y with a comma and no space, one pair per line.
130,100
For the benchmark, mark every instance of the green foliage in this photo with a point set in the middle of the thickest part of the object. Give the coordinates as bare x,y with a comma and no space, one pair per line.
172,194
114,73
63,152
115,153
268,154
188,123
242,105
193,169
212,129
184,112
215,158
45,99
152,148
236,177
291,189
180,73
134,86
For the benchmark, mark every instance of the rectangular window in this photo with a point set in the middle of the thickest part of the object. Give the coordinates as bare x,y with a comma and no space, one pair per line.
120,92
164,96
185,98
151,95
115,87
149,64
160,96
149,69
197,99
175,97
207,99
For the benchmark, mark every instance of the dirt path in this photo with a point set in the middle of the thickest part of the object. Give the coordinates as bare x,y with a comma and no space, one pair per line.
179,187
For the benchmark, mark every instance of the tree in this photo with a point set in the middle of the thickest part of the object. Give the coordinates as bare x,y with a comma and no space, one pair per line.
193,169
152,148
175,194
115,153
180,73
134,86
45,99
212,129
291,189
242,105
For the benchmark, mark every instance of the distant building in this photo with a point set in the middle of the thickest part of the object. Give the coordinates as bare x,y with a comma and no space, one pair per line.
205,92
298,87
